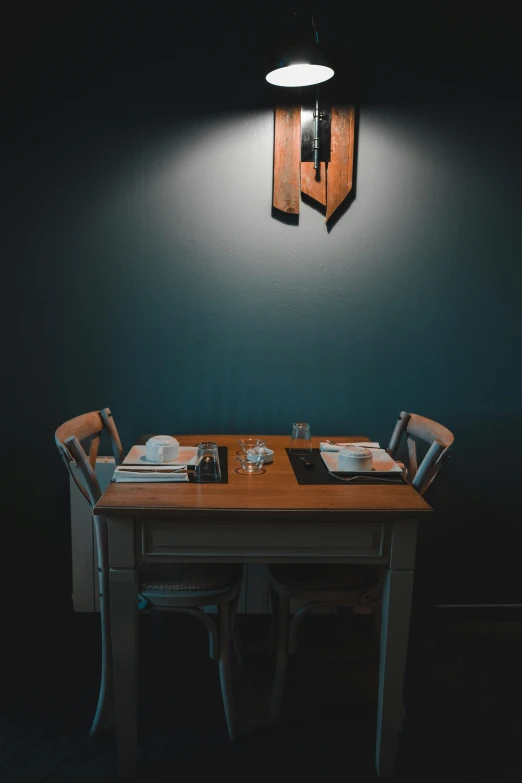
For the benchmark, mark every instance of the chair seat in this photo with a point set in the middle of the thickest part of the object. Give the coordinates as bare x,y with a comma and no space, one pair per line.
185,577
334,576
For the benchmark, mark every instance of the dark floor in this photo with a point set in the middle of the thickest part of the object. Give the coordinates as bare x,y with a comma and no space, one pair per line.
463,698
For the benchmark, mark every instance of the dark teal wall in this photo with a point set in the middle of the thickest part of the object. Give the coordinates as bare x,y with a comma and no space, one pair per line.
145,271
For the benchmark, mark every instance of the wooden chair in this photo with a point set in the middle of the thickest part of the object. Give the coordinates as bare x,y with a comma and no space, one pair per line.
183,587
345,585
418,428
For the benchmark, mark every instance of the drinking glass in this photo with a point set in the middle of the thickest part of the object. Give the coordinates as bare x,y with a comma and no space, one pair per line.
301,438
249,443
251,463
207,463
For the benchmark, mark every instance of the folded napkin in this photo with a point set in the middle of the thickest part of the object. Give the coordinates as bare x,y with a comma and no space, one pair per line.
330,447
150,479
149,475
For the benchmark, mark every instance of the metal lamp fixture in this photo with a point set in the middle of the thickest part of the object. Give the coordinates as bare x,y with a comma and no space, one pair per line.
301,64
313,145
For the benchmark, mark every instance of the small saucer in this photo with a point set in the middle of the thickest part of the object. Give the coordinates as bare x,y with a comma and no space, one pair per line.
242,472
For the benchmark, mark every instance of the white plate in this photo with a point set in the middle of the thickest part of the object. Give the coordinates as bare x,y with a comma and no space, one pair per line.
187,456
381,461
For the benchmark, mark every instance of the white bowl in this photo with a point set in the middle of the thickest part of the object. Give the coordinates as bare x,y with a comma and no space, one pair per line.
162,448
267,453
354,458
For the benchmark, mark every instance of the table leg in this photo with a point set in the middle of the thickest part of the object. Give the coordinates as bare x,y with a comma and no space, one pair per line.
124,632
396,610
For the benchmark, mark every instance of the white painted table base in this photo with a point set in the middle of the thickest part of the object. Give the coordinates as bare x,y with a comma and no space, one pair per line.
127,545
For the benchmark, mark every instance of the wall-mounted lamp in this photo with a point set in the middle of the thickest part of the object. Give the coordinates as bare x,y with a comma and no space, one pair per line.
301,63
313,146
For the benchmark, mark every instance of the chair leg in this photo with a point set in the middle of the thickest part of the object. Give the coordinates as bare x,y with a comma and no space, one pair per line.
105,696
376,628
104,708
224,669
213,638
269,644
236,636
281,654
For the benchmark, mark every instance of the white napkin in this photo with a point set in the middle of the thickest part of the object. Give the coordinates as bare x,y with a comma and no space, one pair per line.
141,479
147,475
330,447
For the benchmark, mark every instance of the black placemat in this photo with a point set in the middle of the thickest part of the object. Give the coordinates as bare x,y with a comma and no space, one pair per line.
319,473
223,461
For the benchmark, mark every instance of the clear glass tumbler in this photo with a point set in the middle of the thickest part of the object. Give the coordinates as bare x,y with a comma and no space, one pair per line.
207,463
251,463
301,438
249,443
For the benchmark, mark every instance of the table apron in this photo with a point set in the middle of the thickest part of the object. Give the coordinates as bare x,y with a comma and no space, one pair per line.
188,540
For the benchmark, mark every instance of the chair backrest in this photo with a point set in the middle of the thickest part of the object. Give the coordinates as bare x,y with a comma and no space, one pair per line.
439,439
70,438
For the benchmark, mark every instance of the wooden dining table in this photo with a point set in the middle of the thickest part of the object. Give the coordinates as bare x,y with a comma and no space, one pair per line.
264,518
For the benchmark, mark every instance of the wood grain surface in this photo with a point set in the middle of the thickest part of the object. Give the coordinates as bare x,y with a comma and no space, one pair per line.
313,182
287,157
273,491
340,167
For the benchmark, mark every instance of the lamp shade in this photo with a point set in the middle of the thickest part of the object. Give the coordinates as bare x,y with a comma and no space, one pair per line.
300,66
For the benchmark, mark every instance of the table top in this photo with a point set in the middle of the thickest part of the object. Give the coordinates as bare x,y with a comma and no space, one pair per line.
272,491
